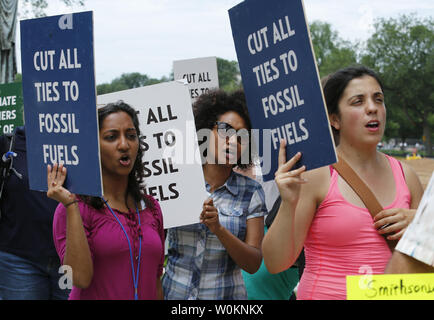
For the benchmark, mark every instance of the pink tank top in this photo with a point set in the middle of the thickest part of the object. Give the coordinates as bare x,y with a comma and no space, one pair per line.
342,241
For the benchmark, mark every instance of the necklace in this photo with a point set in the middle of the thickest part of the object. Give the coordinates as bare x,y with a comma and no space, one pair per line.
135,276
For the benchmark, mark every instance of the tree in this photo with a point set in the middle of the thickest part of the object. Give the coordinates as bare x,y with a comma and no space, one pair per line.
331,52
229,75
402,51
128,81
36,8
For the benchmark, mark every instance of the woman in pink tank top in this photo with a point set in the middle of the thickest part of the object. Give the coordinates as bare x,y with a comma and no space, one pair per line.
321,212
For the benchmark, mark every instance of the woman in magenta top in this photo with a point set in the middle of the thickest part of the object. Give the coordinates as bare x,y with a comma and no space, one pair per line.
115,244
321,212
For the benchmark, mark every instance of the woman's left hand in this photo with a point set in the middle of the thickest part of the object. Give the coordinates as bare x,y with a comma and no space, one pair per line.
210,216
393,222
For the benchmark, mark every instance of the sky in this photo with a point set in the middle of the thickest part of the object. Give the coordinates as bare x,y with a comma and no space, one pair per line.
146,36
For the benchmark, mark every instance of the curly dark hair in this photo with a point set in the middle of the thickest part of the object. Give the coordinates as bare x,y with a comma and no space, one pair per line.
136,177
210,106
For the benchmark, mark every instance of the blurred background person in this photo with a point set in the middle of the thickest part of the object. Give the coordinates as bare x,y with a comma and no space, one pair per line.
29,265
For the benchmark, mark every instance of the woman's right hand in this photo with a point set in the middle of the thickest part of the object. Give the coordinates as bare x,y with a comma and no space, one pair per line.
289,181
56,176
77,252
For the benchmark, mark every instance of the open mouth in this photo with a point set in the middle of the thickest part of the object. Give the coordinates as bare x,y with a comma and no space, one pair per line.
373,124
125,160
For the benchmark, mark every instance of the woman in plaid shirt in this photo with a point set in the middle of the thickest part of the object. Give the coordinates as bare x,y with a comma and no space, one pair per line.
206,258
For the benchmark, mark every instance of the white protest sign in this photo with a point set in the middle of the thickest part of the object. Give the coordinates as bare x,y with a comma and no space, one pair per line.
173,171
200,73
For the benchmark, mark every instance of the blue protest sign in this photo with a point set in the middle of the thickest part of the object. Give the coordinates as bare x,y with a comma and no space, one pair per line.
60,100
281,82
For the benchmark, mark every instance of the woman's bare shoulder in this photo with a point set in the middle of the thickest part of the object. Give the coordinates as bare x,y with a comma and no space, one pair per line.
413,183
318,174
318,182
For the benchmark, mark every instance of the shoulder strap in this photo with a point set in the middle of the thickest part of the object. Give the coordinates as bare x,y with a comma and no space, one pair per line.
273,212
362,190
350,176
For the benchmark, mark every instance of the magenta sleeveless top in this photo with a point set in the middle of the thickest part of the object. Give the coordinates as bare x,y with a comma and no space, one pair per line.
342,241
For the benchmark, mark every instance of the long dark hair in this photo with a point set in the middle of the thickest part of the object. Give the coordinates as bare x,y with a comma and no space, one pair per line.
210,106
136,177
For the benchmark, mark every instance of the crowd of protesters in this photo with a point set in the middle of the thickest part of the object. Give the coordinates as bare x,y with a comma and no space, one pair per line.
316,233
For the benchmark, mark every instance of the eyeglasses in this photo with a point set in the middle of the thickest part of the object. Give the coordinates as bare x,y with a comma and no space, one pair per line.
225,130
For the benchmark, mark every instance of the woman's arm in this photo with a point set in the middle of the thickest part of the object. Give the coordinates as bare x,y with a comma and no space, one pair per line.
286,236
77,252
160,295
285,239
401,263
414,185
246,254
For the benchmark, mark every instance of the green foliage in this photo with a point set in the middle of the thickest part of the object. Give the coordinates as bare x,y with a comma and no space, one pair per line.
331,52
229,79
229,75
128,81
431,120
18,77
392,129
402,51
36,8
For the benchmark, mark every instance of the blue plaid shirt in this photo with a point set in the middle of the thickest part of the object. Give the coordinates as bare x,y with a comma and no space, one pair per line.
199,267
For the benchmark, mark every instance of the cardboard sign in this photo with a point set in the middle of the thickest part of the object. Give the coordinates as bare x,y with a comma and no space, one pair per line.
60,100
421,229
391,287
281,82
11,107
201,75
173,171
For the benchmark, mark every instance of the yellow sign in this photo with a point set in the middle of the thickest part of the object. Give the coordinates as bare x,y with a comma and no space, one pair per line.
416,286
